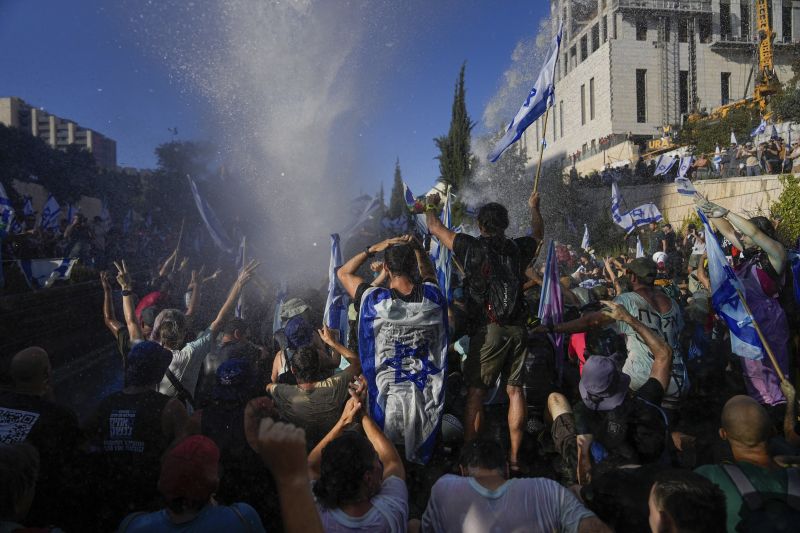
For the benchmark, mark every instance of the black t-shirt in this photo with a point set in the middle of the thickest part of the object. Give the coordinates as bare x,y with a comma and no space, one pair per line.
670,238
469,251
632,433
414,296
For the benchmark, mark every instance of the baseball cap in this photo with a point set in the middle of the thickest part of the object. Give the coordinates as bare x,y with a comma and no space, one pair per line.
298,332
293,307
190,470
146,363
603,386
148,316
643,267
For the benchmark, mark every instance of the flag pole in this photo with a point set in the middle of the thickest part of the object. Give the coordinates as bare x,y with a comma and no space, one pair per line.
178,247
771,355
541,150
452,254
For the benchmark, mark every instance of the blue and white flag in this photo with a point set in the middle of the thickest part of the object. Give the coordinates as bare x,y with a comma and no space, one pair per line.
6,214
444,257
685,187
726,300
370,211
105,214
71,212
127,222
420,223
215,229
280,297
27,209
630,220
241,261
664,164
397,226
551,305
42,273
50,213
717,160
639,247
762,127
403,351
337,302
539,99
774,133
585,242
733,138
686,164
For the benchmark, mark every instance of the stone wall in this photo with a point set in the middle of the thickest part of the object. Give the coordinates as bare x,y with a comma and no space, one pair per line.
747,196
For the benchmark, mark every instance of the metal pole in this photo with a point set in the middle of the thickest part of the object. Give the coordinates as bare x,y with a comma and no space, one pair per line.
761,336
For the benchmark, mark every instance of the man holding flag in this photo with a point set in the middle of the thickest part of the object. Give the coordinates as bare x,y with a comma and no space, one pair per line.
494,268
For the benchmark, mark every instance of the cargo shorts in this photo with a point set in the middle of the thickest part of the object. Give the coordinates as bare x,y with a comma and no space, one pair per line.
496,349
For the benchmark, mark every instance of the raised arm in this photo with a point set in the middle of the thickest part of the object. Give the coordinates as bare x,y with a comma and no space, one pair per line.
109,316
537,222
351,413
662,352
377,266
387,453
443,234
588,321
230,301
194,286
128,305
326,334
424,263
347,272
166,267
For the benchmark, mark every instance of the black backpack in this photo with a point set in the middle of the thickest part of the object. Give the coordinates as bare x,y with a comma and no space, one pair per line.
767,512
495,282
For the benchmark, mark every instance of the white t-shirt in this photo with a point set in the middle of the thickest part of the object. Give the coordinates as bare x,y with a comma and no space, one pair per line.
699,247
186,364
519,505
639,363
389,513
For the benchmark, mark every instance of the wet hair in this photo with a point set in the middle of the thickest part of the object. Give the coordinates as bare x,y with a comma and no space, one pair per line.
305,363
765,225
170,328
493,218
344,462
19,468
401,260
232,325
693,502
483,453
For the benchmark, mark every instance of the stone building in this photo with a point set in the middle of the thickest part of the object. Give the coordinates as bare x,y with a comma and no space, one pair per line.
628,68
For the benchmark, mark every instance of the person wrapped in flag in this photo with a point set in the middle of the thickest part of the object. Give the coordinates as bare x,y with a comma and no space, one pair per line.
761,279
402,344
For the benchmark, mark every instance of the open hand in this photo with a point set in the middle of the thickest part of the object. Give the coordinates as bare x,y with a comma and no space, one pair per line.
247,273
434,199
616,311
328,335
710,209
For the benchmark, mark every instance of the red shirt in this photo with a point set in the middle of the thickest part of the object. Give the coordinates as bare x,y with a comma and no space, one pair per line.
151,299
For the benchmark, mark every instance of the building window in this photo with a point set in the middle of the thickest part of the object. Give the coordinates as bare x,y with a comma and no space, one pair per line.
641,29
725,87
604,28
565,63
584,47
667,29
787,24
613,26
725,20
704,28
641,95
683,30
583,105
591,99
595,37
561,117
683,89
573,57
744,20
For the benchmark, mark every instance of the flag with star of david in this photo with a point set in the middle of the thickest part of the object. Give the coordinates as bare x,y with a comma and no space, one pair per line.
402,344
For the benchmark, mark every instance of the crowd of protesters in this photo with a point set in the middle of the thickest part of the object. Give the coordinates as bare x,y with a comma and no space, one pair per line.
430,415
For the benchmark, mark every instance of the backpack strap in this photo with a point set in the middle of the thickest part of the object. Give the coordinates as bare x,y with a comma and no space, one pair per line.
793,488
746,489
182,393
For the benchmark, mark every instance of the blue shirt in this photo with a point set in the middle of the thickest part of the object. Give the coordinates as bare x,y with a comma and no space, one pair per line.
212,518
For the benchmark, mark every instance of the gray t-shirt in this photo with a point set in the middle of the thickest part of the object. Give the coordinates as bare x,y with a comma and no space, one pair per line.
389,513
519,505
639,363
186,364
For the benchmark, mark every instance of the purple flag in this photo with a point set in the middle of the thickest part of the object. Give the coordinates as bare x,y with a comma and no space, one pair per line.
551,305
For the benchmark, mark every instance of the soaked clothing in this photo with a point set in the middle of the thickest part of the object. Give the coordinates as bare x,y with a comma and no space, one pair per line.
762,287
389,513
669,326
232,518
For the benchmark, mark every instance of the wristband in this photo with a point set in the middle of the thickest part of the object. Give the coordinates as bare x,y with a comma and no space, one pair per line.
431,207
126,292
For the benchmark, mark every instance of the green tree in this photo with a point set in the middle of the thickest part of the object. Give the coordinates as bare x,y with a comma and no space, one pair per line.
786,104
706,134
788,209
397,202
455,157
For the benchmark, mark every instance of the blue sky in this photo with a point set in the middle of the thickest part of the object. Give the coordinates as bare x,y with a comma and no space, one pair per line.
81,60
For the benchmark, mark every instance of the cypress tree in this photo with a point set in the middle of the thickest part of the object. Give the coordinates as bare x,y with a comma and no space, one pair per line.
397,203
455,157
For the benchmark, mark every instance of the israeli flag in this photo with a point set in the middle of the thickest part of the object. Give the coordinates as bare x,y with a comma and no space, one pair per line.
127,222
726,301
403,351
71,212
539,99
280,297
444,257
760,129
213,225
733,138
639,247
371,210
397,225
585,242
6,214
686,164
551,304
241,261
335,315
685,187
420,223
50,213
664,164
630,220
717,161
42,273
27,209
